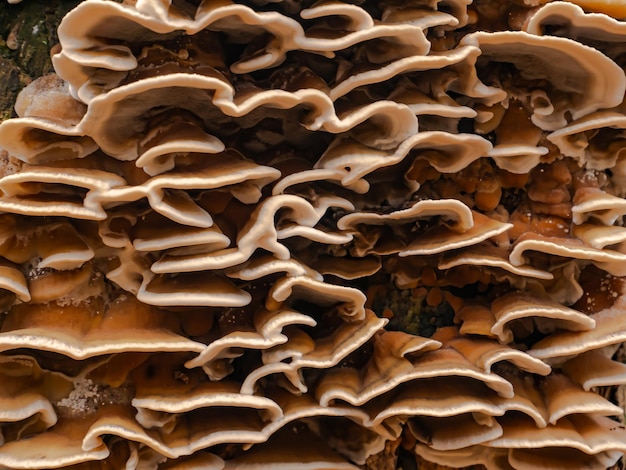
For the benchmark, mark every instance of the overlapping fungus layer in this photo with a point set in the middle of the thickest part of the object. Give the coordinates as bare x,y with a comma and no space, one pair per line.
282,234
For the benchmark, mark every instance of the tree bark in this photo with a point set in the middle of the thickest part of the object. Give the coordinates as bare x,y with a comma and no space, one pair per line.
27,35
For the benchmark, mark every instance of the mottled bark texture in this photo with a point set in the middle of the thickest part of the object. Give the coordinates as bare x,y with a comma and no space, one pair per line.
27,35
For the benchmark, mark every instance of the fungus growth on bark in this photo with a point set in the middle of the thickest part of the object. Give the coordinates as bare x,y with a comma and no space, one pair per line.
290,233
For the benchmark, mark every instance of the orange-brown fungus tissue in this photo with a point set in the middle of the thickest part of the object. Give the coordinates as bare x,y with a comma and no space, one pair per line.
327,235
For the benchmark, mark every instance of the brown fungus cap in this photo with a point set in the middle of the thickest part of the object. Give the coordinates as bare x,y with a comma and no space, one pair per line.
577,24
575,140
429,243
482,255
611,261
88,332
284,451
595,369
36,140
303,352
572,68
608,330
549,315
60,447
201,246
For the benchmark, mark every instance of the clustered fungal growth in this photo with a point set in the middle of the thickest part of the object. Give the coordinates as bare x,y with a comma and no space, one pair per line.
273,234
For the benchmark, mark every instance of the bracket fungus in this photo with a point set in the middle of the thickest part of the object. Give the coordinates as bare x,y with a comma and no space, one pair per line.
248,234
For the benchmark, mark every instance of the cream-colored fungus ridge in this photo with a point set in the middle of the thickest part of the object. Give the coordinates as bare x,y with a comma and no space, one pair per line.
278,234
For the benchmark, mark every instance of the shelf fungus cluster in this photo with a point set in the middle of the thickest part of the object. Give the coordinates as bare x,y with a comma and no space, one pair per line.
287,234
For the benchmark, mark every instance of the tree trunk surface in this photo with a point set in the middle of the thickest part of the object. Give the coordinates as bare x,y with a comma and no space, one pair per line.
28,38
27,35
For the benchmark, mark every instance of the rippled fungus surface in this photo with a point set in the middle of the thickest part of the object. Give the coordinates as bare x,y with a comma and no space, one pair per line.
294,234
